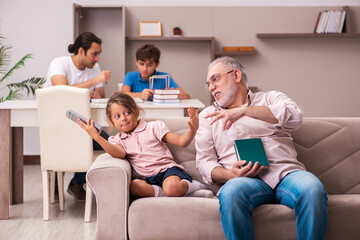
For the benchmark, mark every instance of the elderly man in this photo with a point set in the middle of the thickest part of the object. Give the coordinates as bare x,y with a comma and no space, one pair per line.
238,113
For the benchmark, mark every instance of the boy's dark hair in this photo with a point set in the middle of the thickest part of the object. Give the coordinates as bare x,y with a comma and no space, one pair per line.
84,41
121,99
147,52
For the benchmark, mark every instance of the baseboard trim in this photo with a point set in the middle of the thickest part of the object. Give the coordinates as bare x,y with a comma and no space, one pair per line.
31,159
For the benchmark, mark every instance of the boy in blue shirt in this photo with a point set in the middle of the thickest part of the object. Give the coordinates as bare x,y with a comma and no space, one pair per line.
136,84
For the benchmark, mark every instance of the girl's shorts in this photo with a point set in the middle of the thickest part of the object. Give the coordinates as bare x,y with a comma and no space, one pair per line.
159,178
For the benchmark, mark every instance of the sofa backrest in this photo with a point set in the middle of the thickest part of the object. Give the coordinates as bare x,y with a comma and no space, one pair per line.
328,147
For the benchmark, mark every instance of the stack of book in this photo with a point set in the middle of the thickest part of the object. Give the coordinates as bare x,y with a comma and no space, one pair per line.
330,21
166,96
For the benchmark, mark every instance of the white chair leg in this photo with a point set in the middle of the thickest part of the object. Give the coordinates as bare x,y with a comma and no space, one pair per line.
45,181
61,190
88,203
52,187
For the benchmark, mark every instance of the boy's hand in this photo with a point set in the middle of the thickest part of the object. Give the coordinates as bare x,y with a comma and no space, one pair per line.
146,94
194,119
89,127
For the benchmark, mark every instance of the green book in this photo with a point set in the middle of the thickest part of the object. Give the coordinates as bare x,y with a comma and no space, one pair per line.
251,150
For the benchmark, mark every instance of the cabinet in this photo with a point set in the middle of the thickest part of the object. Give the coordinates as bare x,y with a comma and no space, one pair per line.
108,23
186,58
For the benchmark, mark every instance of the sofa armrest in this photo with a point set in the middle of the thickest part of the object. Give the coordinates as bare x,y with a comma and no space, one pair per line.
109,179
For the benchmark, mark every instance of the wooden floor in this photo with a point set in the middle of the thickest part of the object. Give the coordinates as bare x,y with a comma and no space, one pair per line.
26,219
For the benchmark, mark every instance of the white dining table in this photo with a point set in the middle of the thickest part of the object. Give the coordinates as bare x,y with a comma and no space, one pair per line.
17,114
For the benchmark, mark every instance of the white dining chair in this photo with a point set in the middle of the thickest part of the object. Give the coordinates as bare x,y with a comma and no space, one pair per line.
120,85
64,145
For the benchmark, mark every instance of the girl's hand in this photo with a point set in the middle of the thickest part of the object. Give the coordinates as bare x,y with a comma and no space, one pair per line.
194,119
89,127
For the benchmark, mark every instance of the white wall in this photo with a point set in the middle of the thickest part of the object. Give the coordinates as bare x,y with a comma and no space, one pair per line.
44,28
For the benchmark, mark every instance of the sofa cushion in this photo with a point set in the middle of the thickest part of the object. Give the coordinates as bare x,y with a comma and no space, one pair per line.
149,217
167,218
329,148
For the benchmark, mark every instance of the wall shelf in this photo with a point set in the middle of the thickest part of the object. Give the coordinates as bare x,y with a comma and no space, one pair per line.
211,40
170,38
235,53
348,33
308,35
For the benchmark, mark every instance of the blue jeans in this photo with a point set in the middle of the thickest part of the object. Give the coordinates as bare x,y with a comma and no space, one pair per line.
299,190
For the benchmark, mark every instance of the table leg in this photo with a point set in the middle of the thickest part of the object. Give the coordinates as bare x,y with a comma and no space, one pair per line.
17,165
5,161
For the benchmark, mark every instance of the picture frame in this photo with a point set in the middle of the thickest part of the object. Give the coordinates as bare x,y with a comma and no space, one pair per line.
150,28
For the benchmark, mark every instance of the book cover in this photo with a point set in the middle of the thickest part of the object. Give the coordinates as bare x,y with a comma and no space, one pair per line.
317,22
342,22
167,91
246,49
99,100
251,150
230,49
165,96
166,100
325,22
321,22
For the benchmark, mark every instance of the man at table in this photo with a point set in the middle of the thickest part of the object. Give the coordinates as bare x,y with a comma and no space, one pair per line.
136,84
80,70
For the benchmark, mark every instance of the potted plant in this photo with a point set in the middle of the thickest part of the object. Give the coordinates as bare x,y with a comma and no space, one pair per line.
177,31
30,84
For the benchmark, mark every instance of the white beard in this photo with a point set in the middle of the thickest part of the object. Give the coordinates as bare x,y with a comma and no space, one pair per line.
227,100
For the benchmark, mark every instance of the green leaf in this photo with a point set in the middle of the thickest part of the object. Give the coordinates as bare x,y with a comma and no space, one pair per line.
4,59
14,88
30,85
12,95
18,65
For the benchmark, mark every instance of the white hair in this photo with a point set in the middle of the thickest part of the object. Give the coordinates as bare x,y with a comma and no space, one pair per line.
231,63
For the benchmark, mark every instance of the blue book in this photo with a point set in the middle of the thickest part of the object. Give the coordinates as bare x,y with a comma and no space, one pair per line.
251,150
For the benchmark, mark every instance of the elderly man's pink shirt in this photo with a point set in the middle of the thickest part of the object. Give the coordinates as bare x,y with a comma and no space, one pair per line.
147,153
215,147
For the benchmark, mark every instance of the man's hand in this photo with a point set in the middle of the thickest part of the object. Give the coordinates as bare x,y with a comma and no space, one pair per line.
146,94
249,170
229,116
104,76
222,175
194,119
95,94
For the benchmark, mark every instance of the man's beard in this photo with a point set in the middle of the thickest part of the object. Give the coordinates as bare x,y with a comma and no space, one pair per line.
228,99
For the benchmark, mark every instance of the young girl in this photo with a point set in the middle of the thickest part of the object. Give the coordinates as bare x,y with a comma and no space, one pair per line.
155,173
